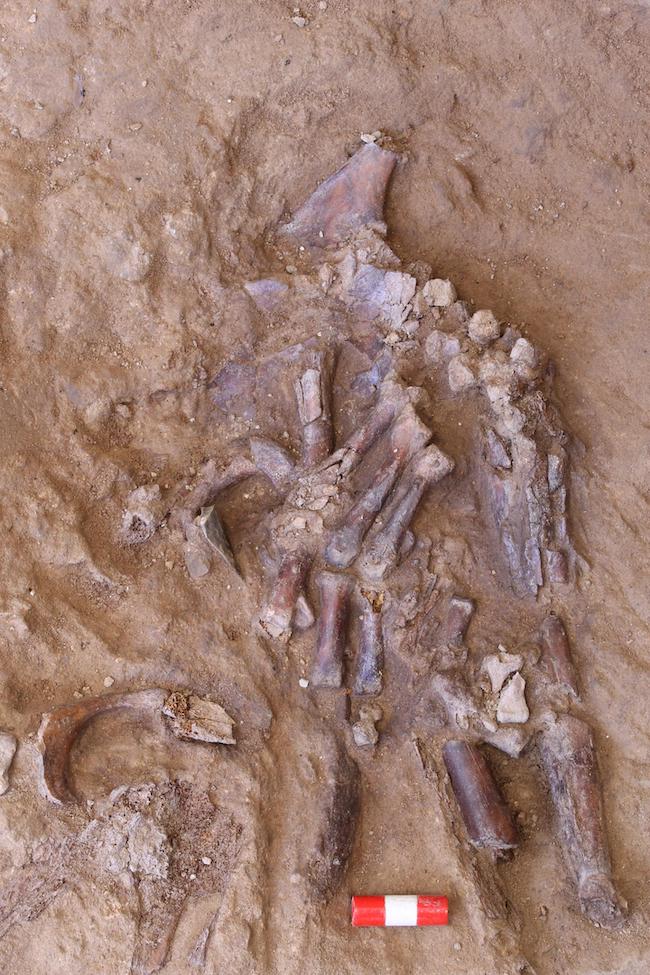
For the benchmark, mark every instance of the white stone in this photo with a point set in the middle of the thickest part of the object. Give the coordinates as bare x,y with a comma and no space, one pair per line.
499,666
460,374
303,682
512,707
8,745
483,327
439,293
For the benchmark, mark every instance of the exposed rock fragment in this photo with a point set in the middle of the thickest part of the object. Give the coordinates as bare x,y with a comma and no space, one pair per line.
460,374
142,514
512,707
364,732
483,327
8,745
195,719
439,293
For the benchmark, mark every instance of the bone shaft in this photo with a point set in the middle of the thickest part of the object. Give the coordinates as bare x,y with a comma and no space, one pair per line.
382,552
345,542
332,630
370,654
314,408
360,442
278,614
569,761
485,814
557,652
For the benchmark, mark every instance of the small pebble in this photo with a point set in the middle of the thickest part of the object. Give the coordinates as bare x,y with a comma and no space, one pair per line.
483,327
109,681
299,21
206,860
32,19
457,946
303,682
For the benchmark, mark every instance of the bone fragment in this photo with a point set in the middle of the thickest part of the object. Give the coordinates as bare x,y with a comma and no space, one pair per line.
407,435
482,806
569,760
213,478
60,727
512,707
312,395
195,719
459,616
328,863
277,616
557,566
557,653
213,531
499,666
332,629
272,461
364,732
370,654
381,549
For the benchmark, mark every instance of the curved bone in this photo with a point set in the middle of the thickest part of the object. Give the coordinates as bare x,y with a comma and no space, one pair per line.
407,435
351,199
569,760
59,729
332,625
383,543
273,461
482,806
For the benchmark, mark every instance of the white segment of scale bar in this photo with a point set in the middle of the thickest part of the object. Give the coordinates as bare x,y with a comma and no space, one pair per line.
401,910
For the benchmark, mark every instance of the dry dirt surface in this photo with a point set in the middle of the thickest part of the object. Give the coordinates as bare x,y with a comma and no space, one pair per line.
149,151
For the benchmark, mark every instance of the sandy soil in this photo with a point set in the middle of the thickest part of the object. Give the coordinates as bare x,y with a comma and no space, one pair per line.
148,152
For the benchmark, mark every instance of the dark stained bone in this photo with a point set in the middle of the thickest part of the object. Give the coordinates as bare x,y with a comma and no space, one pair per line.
557,566
332,629
482,806
569,761
59,729
459,616
211,525
273,461
407,435
314,410
383,543
351,199
370,654
557,653
391,398
277,616
328,863
213,478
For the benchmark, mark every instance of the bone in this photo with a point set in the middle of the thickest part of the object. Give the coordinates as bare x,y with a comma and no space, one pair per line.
557,652
407,435
459,616
214,533
195,719
327,865
276,619
8,745
499,666
364,732
512,707
370,653
332,629
211,481
351,199
482,806
381,549
272,461
59,729
569,760
314,410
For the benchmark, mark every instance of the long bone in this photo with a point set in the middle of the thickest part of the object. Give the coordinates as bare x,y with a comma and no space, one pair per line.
485,814
459,616
555,645
332,629
407,435
314,409
370,653
277,617
383,542
569,761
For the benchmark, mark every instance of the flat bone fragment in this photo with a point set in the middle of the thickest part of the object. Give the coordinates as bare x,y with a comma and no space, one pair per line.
407,435
8,745
195,719
569,761
213,531
512,707
370,654
485,814
272,461
459,616
351,199
555,646
277,616
499,666
332,629
381,550
59,729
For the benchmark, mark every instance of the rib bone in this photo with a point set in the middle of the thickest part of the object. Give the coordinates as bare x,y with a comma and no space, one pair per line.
569,760
383,543
370,656
332,625
482,806
407,435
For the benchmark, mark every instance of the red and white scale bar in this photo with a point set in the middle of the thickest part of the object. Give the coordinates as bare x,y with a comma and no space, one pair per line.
399,911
